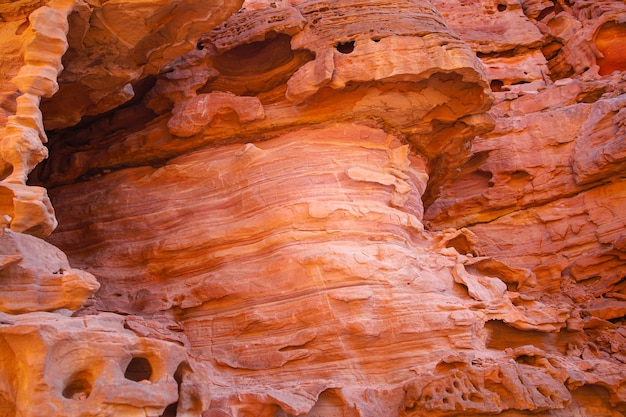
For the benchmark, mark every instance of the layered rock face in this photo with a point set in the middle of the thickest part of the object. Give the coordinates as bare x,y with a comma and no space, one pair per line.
313,208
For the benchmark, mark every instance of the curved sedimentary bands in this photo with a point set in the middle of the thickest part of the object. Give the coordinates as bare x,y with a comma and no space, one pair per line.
312,208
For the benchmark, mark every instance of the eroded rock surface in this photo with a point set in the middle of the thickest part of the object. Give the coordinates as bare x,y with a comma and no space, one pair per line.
313,208
554,164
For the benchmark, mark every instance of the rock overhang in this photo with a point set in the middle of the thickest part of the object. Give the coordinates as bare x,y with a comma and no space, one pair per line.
270,70
361,44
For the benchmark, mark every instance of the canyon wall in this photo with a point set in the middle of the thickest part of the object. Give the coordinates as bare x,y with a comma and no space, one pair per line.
312,208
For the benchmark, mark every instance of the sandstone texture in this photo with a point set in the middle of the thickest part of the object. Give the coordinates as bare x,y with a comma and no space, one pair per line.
312,208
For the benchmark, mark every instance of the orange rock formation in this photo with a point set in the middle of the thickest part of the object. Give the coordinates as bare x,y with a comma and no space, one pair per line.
312,208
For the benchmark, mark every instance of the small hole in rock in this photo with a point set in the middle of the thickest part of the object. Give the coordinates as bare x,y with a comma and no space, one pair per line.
527,359
21,28
138,369
496,86
501,7
79,387
345,47
462,244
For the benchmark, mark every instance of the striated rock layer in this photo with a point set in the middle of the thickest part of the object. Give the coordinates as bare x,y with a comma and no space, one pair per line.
552,171
313,208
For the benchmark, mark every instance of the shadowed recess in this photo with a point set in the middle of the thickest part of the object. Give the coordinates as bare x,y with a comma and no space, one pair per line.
138,369
258,67
610,39
79,386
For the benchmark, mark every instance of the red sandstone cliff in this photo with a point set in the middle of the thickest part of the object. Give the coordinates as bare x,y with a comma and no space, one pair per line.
312,208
